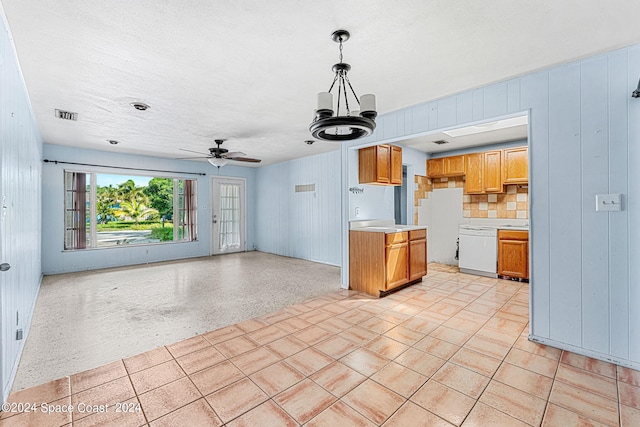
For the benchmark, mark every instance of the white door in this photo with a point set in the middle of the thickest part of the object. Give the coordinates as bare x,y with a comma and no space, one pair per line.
228,215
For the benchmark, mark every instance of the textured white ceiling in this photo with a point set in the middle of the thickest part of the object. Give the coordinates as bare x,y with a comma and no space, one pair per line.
249,71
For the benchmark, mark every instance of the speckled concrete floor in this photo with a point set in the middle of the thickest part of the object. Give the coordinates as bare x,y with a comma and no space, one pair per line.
84,320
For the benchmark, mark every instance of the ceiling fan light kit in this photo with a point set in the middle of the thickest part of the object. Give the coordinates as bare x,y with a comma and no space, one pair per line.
218,161
219,156
353,124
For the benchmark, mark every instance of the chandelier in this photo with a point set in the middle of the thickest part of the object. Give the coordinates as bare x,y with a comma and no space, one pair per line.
352,124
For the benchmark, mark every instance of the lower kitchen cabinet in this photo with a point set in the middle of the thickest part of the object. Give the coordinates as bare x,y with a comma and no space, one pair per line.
513,253
417,254
380,262
396,260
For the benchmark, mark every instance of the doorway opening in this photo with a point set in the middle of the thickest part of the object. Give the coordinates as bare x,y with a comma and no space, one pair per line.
400,199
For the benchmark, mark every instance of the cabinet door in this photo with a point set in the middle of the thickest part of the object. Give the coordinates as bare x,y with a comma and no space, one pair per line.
492,171
396,165
454,165
513,258
515,165
417,259
474,165
435,168
383,164
397,265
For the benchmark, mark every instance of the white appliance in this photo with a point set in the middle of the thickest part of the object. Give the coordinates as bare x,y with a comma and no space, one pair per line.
478,252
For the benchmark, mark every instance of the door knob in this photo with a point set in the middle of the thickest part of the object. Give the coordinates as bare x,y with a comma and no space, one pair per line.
5,266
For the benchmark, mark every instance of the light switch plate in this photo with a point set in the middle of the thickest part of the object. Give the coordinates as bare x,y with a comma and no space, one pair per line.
608,202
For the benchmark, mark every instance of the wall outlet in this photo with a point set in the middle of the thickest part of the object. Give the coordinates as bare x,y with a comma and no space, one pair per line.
357,211
608,202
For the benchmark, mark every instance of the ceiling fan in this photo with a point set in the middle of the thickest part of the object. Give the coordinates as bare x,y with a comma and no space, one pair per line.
218,156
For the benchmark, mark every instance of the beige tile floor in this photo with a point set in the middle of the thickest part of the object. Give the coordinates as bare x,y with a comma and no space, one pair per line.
452,350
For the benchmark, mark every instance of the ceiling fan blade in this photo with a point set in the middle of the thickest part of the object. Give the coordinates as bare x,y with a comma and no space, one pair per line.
191,151
233,154
244,159
193,158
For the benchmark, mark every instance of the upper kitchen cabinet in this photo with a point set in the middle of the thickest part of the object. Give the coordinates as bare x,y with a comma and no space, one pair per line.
492,172
515,165
474,166
483,173
380,164
435,168
445,166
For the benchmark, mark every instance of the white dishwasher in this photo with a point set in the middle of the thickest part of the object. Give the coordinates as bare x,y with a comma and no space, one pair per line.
478,252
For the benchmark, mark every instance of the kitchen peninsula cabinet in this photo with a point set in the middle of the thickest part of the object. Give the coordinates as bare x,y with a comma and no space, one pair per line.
417,254
513,253
380,164
381,261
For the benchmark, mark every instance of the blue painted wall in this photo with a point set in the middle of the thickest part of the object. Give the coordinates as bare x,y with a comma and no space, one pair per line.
305,224
584,128
56,260
20,154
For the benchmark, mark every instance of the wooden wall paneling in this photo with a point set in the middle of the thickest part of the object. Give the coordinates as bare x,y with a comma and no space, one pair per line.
390,127
565,205
595,173
632,204
433,115
21,188
619,83
420,118
464,108
400,123
534,91
478,104
408,122
447,112
495,100
513,96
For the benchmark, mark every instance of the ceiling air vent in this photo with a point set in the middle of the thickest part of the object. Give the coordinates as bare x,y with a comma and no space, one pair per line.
66,115
441,141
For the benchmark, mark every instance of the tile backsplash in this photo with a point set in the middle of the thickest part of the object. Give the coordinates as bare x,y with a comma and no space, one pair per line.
514,204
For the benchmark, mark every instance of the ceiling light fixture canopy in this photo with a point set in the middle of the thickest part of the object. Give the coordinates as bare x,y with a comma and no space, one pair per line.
352,124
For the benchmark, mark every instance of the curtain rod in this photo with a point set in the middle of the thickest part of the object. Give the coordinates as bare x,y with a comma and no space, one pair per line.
122,167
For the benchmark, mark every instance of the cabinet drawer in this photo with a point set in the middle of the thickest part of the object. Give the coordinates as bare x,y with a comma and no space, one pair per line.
417,234
513,235
392,238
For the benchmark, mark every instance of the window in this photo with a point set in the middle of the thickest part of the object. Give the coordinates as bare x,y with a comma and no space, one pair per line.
107,210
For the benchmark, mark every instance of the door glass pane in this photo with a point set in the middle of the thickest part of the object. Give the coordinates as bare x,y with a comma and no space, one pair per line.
229,216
